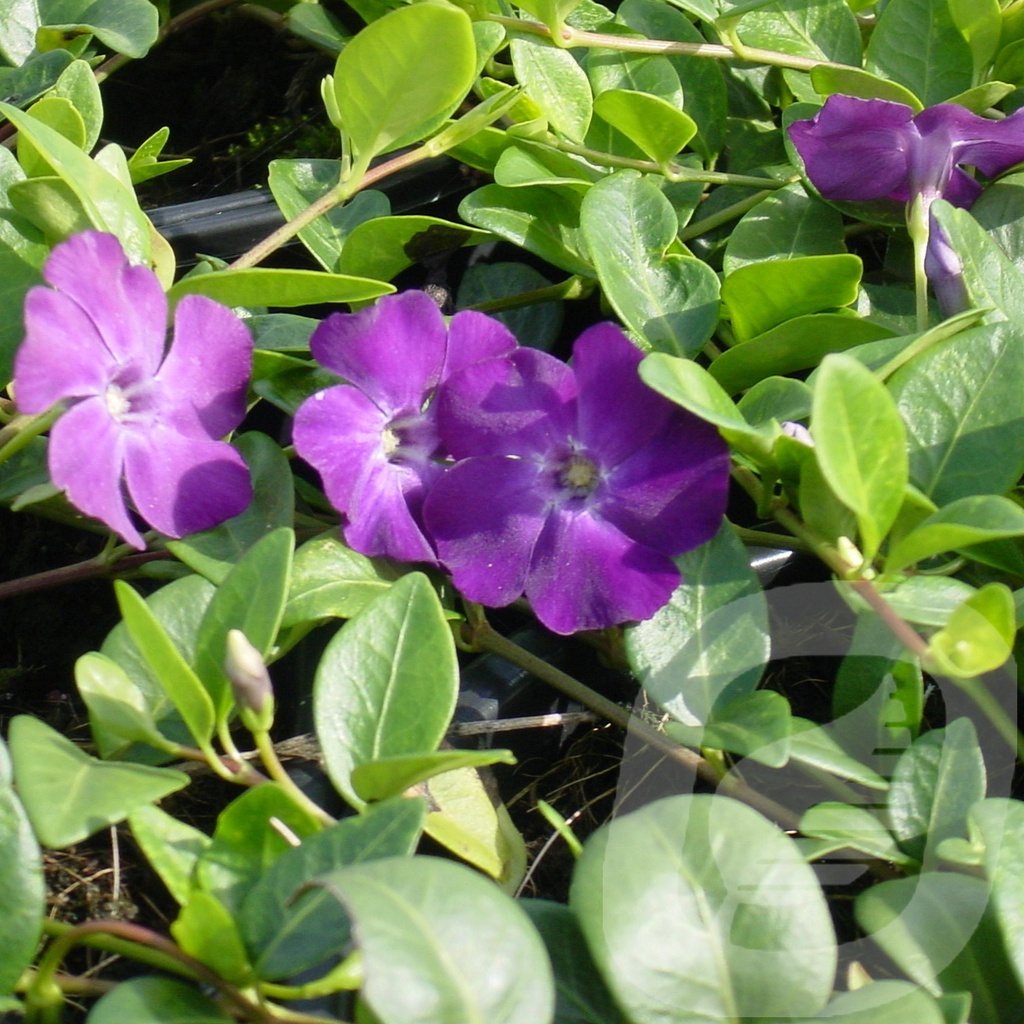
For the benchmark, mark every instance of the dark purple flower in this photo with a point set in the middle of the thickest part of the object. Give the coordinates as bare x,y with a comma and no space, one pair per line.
861,150
576,485
138,411
374,440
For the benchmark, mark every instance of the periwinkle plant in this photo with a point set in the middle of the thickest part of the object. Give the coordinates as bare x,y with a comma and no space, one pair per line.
738,378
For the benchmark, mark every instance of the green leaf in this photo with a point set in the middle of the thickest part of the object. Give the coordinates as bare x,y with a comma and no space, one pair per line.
543,221
685,925
556,83
399,78
653,124
551,12
110,205
387,682
669,299
296,184
978,637
205,929
525,163
145,162
710,643
959,524
22,887
417,919
797,344
884,1001
393,776
980,23
126,26
17,275
851,81
383,247
817,746
288,935
821,31
785,224
251,598
938,929
935,783
265,286
69,795
917,44
846,826
860,445
171,846
154,1000
213,552
759,296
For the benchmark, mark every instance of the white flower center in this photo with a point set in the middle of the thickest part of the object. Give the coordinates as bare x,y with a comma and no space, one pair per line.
117,402
390,442
579,475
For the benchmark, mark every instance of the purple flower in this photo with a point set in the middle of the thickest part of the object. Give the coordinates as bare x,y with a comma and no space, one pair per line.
374,440
576,486
138,412
862,150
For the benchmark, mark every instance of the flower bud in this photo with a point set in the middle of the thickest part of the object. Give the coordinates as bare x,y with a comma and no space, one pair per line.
250,682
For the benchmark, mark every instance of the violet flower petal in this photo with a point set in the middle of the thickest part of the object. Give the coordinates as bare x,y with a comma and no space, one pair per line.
991,146
485,515
86,458
856,149
519,404
472,337
205,377
392,351
62,356
587,574
671,494
181,485
125,302
945,271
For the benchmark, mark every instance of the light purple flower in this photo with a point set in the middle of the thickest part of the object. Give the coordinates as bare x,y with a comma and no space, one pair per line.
374,439
861,150
576,486
141,416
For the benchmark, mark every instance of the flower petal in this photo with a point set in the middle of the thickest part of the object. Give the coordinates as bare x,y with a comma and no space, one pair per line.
86,458
62,356
856,149
587,574
393,351
520,404
485,515
991,146
474,336
618,412
182,485
125,302
671,494
204,379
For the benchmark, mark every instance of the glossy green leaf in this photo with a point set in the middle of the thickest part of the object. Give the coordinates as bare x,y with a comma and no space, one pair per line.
251,598
387,682
851,81
110,205
60,115
556,83
551,12
17,275
885,1001
525,163
817,746
400,77
978,637
318,26
543,221
417,921
145,162
22,888
935,783
265,286
775,399
759,296
917,44
846,826
251,833
288,935
959,524
126,26
686,926
205,929
669,299
980,24
296,184
385,246
655,125
213,552
710,643
156,1000
393,776
78,85
171,846
166,663
860,445
821,31
940,932
927,600
797,344
69,795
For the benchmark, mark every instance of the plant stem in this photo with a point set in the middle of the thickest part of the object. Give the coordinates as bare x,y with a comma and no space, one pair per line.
23,429
483,636
268,755
89,569
698,227
575,287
